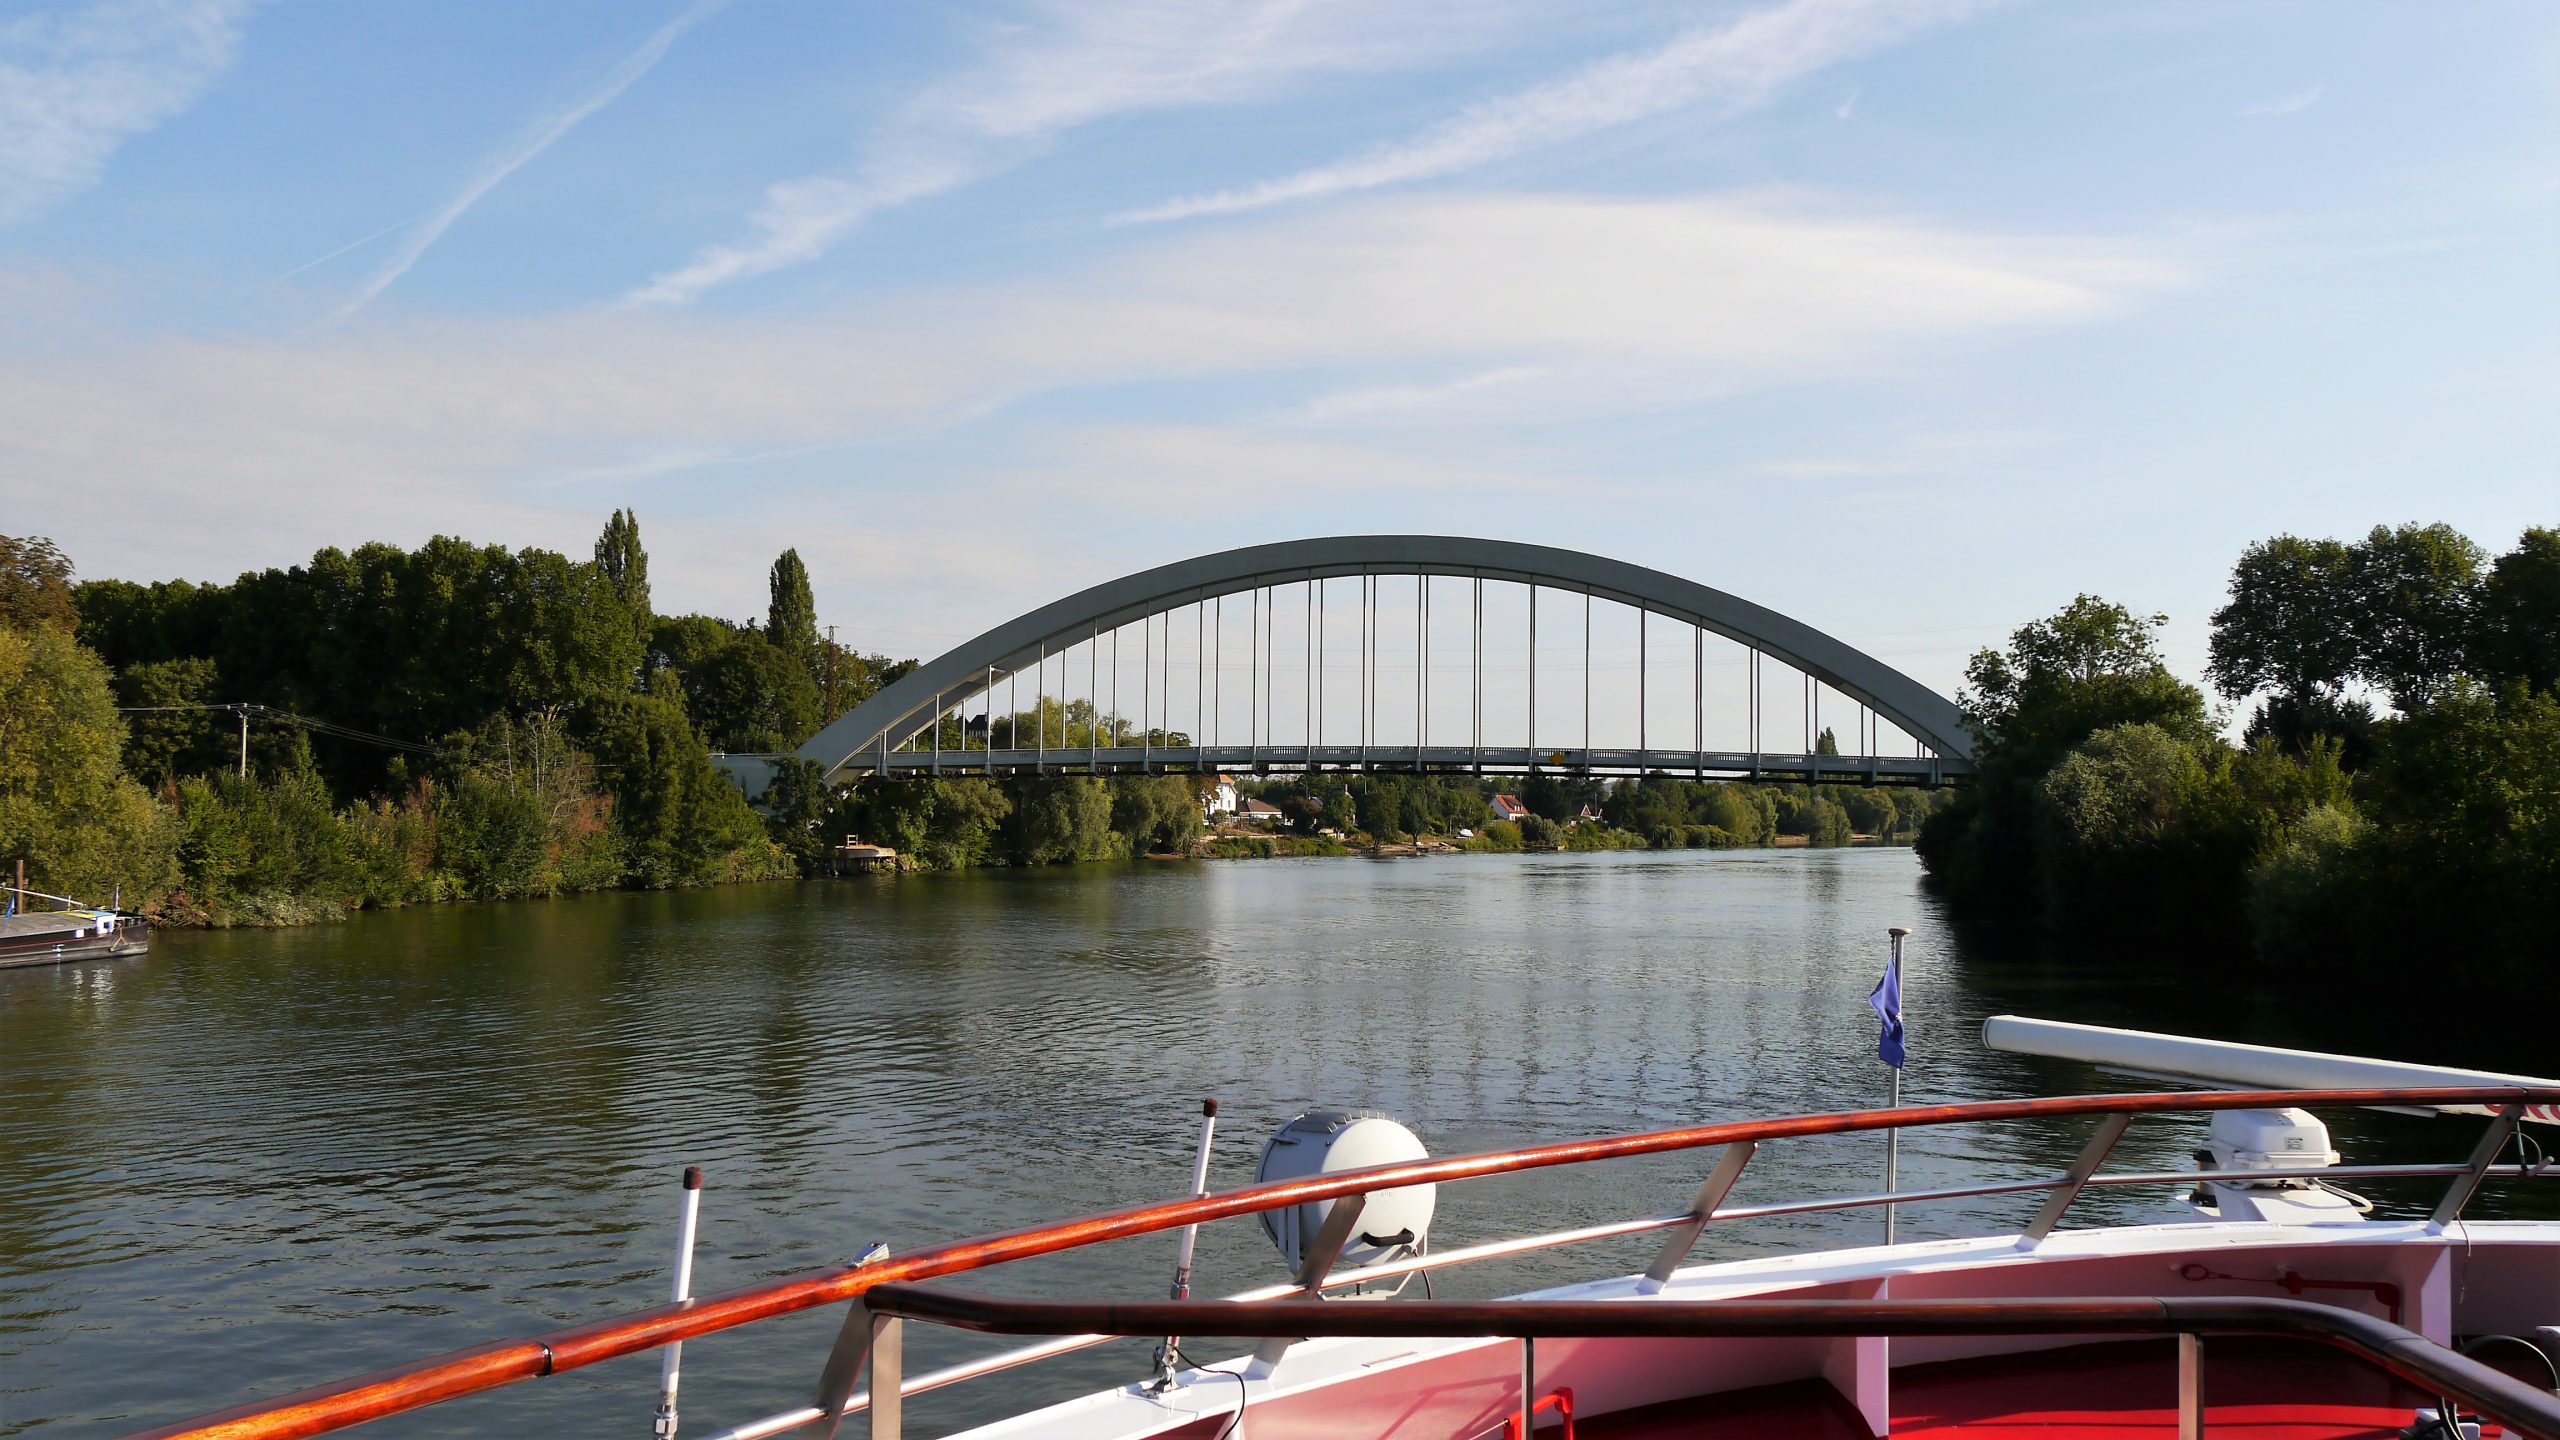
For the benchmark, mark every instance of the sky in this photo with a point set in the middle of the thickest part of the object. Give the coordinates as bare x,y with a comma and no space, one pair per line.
1909,318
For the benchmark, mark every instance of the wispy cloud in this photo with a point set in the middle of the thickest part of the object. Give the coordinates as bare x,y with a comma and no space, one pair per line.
247,450
2293,104
1501,312
1070,63
535,139
77,82
1379,401
1732,67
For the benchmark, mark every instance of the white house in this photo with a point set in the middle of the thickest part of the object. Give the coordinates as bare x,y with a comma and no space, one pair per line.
1218,797
1508,807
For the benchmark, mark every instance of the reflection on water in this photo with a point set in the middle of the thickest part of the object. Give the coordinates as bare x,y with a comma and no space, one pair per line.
254,1161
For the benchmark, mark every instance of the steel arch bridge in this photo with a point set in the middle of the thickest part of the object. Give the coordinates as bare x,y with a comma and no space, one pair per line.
923,723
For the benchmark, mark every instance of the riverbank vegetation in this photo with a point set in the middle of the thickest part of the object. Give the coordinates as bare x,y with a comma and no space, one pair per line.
2392,806
388,726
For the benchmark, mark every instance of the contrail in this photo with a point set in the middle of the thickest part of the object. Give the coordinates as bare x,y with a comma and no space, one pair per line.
394,226
531,143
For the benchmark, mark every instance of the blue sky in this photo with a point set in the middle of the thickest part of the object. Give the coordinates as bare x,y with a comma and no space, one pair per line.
1912,319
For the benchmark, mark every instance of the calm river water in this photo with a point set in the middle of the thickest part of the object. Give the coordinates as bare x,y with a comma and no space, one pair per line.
257,1160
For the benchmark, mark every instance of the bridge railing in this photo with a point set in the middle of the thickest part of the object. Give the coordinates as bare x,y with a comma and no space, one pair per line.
1407,759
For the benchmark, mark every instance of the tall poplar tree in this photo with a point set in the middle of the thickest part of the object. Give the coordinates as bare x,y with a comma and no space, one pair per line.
619,556
791,617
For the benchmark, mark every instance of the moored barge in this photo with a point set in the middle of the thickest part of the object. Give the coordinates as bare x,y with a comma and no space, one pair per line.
75,932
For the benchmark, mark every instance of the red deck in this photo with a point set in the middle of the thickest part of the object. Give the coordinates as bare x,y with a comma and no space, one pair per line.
2253,1390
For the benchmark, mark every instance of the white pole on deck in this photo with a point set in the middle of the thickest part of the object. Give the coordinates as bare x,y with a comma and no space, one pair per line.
672,1358
1190,1238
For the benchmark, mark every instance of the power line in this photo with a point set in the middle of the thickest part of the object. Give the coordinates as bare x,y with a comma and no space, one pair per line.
323,727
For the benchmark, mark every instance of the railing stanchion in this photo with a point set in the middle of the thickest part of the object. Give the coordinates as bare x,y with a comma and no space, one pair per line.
1313,1267
2110,1130
670,1365
888,1375
1719,1184
2190,1386
1528,1384
845,1358
2458,1194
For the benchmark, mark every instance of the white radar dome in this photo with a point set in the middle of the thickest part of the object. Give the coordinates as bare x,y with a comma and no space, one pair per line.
1394,1224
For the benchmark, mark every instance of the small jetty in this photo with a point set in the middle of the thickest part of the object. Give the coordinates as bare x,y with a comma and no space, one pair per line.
854,857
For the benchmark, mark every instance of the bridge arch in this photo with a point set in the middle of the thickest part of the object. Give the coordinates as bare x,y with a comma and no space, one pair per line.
868,739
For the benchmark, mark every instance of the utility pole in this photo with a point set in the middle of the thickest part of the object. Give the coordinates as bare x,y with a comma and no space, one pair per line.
243,712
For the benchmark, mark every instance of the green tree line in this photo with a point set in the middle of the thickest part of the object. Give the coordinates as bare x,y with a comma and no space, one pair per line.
2421,839
551,732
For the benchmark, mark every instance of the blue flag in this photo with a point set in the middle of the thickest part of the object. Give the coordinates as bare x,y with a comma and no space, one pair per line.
1886,1001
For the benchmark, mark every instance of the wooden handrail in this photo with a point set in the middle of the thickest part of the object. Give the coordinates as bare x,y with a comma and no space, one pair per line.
2402,1352
358,1399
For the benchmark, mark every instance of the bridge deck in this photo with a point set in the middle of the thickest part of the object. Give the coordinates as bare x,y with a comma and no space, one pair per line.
1460,759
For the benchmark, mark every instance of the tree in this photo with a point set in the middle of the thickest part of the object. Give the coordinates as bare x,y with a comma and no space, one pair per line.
35,585
791,614
2418,590
1156,814
1059,818
625,564
680,642
2134,814
2519,625
2092,665
796,806
2461,863
750,698
2290,625
2301,726
1547,796
1418,818
682,821
1381,804
163,744
66,806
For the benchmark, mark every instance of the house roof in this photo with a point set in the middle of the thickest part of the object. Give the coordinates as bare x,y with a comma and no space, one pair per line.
1259,807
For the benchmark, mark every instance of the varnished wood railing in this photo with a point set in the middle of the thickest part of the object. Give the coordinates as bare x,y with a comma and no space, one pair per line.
361,1398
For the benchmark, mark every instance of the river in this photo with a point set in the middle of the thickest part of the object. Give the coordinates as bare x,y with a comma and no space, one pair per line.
260,1159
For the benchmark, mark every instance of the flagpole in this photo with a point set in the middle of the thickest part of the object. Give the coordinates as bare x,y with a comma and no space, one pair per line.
1893,1137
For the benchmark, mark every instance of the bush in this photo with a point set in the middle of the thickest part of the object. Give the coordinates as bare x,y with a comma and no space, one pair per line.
264,850
1537,832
